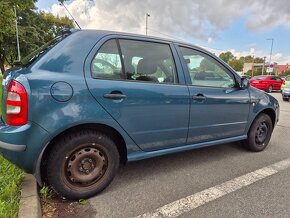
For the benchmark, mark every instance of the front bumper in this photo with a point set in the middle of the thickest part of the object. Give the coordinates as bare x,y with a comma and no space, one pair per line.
285,94
22,145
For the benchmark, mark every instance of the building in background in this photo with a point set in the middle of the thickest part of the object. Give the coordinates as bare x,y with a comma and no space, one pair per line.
256,68
282,68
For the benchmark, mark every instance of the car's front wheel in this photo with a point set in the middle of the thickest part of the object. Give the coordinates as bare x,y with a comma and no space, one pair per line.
82,164
260,133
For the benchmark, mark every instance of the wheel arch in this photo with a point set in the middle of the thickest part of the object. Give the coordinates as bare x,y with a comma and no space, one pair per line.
40,172
270,112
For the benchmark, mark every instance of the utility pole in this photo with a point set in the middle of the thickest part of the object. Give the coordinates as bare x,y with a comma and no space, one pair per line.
147,15
263,69
17,36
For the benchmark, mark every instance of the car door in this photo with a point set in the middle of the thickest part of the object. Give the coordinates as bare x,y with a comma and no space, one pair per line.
279,82
273,82
219,108
144,91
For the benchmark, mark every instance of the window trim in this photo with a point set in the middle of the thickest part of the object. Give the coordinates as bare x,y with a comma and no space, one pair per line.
211,57
121,59
155,42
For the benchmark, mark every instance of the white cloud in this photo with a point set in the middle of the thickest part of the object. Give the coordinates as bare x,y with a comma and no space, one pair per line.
188,18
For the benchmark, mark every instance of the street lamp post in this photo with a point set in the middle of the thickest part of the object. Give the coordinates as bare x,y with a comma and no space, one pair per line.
263,69
271,49
17,35
147,15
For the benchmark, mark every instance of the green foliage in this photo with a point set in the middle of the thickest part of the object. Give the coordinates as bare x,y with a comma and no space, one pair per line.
35,29
10,180
83,201
285,73
227,56
46,193
237,65
255,72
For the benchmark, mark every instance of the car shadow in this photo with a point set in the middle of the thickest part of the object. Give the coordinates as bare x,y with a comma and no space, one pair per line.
134,172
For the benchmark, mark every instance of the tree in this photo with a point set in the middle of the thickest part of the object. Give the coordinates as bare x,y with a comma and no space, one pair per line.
35,29
227,56
237,65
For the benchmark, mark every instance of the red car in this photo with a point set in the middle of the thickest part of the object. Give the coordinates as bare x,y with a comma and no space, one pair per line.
267,83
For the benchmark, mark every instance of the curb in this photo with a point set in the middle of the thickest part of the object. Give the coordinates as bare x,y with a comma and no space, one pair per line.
29,202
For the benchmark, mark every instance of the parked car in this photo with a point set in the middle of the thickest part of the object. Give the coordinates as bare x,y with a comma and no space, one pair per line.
89,100
286,81
286,92
267,83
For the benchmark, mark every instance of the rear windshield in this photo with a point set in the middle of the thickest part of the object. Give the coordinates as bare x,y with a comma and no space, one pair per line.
29,59
259,77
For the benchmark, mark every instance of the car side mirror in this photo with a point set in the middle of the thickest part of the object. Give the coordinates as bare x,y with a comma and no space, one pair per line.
245,83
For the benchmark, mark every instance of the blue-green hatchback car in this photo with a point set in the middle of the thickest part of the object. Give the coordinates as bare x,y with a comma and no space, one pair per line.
89,100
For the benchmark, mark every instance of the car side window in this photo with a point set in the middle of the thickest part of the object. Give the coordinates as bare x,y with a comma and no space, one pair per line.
148,61
107,62
204,71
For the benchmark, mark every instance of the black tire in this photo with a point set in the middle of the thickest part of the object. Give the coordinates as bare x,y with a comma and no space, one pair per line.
270,88
285,99
83,164
259,134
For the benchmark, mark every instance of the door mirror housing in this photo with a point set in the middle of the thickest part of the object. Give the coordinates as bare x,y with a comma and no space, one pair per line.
245,83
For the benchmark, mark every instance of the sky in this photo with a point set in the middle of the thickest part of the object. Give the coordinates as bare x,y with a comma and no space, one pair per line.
243,27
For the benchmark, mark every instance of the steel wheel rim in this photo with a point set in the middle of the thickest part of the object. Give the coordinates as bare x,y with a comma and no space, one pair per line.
86,166
261,133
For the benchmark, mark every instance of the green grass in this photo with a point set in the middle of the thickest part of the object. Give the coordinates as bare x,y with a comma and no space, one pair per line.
10,181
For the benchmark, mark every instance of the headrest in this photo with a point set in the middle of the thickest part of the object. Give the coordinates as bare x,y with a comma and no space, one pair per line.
146,66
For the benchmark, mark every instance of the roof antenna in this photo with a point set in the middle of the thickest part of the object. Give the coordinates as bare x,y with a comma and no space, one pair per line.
61,2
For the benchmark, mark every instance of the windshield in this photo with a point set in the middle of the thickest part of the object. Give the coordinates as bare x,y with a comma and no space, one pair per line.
29,59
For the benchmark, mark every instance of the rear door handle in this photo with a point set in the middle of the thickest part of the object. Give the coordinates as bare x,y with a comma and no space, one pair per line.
115,96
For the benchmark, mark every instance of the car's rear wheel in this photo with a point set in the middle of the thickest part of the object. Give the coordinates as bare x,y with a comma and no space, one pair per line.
285,99
270,88
260,133
82,164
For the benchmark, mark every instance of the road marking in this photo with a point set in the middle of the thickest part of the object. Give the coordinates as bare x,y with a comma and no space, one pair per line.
191,202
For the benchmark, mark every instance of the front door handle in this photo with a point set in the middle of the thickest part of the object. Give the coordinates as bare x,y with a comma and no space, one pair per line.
198,97
115,96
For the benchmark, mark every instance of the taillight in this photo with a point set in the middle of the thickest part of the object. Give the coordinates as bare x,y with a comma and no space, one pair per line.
16,104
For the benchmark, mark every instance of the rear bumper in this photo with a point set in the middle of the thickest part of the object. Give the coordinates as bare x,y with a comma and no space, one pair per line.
11,138
12,147
21,145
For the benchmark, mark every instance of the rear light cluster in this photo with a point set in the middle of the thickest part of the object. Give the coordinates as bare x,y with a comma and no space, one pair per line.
16,104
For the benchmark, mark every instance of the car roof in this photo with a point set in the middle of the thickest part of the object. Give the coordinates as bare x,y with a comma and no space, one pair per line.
104,33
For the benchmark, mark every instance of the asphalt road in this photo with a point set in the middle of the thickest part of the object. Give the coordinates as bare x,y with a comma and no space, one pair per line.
145,186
